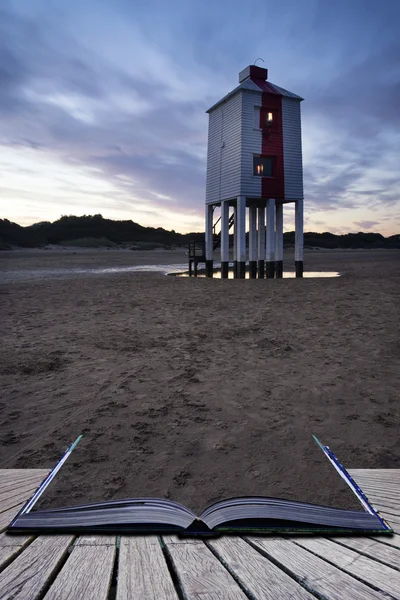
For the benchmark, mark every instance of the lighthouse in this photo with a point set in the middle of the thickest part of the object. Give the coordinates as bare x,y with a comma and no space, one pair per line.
254,167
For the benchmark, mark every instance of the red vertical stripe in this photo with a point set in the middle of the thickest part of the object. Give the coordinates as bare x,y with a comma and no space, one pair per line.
272,146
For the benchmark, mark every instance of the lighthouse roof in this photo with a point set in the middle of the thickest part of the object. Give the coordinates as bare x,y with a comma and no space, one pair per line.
254,78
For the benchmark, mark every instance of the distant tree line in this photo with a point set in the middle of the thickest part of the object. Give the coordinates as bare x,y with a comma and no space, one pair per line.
70,228
347,240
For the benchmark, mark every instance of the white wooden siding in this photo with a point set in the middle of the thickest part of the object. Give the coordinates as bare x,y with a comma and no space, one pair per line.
230,164
214,155
292,153
257,117
223,157
251,144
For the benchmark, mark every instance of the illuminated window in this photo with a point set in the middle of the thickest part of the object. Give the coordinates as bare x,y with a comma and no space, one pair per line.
263,166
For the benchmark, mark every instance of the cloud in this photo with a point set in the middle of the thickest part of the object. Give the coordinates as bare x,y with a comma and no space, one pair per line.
121,91
366,224
115,122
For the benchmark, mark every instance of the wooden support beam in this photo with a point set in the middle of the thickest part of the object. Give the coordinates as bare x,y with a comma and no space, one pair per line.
299,237
261,241
279,240
270,243
253,241
235,240
241,237
224,239
209,240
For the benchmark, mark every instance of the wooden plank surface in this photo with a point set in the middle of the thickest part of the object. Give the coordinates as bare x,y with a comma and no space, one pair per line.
26,481
392,540
384,509
17,473
23,491
257,575
15,485
315,574
95,540
29,574
143,570
10,502
381,576
391,491
7,516
11,545
379,479
372,484
394,522
389,517
86,574
374,481
200,573
385,504
379,485
382,499
7,479
379,497
7,540
373,549
375,472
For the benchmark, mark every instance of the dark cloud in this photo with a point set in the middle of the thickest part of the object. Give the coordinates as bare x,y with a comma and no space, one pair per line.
363,98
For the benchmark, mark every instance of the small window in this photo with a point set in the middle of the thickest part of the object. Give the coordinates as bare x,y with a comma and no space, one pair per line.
263,166
256,117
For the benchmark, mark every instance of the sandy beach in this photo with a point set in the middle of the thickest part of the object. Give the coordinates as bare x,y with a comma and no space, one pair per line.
198,389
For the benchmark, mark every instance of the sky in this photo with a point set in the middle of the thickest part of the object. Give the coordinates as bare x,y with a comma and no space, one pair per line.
102,105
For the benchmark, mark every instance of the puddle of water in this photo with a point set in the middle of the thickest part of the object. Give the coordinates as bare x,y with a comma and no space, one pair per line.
286,275
38,274
178,270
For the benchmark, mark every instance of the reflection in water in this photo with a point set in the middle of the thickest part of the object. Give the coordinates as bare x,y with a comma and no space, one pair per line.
287,274
178,270
43,273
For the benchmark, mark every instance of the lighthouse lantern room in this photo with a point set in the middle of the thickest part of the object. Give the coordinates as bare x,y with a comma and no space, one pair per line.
254,166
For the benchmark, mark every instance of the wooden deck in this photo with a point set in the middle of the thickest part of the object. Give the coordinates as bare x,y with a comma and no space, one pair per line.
228,568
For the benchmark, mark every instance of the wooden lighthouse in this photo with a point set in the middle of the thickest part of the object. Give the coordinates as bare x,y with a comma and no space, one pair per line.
254,167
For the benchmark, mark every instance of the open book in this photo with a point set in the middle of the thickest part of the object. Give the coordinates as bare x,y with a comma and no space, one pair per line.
253,514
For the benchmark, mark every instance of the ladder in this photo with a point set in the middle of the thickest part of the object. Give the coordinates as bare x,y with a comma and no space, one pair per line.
197,250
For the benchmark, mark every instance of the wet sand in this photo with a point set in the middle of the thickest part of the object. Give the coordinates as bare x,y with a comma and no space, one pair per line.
198,389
